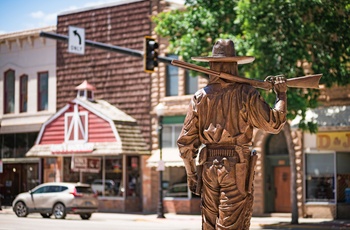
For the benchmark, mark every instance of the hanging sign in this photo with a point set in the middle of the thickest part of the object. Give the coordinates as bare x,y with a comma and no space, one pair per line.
86,164
338,141
161,165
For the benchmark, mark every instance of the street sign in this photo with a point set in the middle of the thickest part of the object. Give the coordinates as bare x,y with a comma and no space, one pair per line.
161,165
76,40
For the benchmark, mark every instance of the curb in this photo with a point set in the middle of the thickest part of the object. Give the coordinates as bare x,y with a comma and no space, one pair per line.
322,225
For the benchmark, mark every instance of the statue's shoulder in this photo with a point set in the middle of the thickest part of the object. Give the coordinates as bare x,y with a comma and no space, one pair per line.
199,94
248,89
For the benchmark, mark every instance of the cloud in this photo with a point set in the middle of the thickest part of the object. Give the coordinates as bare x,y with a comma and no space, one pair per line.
37,14
43,19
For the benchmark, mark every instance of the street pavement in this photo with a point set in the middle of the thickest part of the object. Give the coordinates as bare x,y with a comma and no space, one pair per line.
281,221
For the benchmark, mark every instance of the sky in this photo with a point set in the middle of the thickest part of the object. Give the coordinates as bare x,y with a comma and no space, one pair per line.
19,15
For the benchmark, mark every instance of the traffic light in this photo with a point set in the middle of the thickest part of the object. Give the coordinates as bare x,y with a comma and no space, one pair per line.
150,54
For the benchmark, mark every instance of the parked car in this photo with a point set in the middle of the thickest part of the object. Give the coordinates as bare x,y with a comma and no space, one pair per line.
177,190
57,199
111,188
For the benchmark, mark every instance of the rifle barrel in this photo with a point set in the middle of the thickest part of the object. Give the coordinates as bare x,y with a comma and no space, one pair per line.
256,83
309,81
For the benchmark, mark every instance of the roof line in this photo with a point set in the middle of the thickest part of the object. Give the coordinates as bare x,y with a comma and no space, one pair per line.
88,8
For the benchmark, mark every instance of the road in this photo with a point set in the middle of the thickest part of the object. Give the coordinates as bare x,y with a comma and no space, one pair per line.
117,221
99,221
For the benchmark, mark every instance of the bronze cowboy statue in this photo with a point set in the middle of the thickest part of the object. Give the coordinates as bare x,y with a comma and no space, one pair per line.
219,124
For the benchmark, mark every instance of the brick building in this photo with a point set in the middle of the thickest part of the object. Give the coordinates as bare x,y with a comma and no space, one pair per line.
121,80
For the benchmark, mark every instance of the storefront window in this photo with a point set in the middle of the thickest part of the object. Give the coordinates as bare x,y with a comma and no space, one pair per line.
175,181
133,176
109,184
52,169
114,177
15,145
320,180
343,177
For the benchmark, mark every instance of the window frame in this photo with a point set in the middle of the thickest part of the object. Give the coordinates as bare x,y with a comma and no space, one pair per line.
173,134
188,81
169,88
7,92
76,126
23,93
43,93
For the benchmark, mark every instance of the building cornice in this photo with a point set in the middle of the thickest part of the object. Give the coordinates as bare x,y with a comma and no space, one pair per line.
25,33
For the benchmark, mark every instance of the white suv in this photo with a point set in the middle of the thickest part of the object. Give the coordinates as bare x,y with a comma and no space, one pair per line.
57,199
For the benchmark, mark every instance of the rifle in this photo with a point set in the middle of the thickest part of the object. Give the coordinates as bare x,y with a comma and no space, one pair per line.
308,81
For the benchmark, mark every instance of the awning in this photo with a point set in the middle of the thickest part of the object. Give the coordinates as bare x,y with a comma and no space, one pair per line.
170,156
332,116
20,128
93,149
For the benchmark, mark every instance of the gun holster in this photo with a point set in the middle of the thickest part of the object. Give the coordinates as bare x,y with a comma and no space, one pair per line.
202,159
252,164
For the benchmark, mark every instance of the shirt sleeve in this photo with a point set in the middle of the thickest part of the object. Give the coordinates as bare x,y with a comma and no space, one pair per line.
188,141
262,116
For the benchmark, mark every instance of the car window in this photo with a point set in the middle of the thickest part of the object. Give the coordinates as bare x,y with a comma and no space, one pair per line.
84,189
57,188
63,188
179,189
43,189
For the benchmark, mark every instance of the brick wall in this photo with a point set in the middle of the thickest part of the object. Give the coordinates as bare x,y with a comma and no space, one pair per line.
118,78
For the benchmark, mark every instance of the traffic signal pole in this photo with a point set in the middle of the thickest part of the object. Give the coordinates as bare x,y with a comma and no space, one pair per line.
100,45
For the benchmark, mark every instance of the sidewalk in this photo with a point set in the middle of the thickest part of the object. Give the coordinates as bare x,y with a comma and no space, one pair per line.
269,222
309,223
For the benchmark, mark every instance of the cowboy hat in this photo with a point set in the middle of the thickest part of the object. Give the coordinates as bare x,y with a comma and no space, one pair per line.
224,51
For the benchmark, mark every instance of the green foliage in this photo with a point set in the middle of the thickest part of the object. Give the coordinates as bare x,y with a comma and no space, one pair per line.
192,32
290,37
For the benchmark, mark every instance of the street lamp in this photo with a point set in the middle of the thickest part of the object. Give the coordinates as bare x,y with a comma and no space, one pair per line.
160,113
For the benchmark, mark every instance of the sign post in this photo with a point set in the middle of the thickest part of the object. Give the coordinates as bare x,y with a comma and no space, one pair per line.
76,40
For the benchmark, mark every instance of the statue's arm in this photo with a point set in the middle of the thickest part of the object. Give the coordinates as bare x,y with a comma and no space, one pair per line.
188,144
280,88
261,115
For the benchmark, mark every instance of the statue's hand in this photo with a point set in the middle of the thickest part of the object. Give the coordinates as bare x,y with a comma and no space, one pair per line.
192,182
279,83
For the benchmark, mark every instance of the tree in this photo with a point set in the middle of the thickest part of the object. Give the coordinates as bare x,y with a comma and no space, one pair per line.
293,38
193,30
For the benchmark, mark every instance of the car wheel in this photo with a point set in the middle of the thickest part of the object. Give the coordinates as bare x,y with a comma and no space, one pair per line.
21,209
85,216
59,211
45,215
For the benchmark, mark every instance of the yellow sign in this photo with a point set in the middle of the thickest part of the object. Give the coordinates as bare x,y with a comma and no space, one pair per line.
337,141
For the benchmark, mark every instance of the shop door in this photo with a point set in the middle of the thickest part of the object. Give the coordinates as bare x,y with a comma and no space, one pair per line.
282,188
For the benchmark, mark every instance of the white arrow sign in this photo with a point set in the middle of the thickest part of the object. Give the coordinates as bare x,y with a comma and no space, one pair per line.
76,40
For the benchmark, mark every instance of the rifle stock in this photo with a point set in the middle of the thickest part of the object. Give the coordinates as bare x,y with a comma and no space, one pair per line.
309,81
